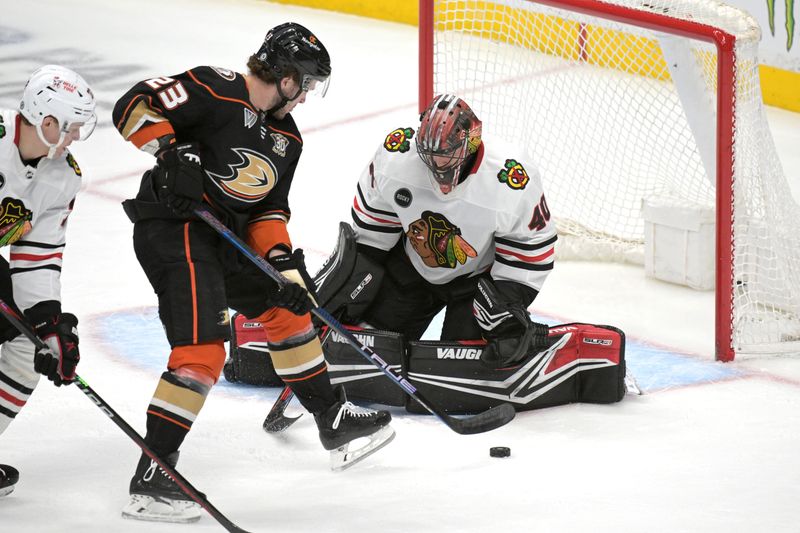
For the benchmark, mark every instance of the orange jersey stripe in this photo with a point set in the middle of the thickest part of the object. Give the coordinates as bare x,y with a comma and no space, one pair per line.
215,95
295,137
145,135
192,279
265,235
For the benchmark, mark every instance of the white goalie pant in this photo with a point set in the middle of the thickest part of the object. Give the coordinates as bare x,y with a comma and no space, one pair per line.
17,378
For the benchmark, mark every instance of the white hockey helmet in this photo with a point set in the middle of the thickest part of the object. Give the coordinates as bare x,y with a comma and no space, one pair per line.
63,94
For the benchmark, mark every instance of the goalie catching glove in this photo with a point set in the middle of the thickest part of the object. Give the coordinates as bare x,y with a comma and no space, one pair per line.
59,331
350,278
507,327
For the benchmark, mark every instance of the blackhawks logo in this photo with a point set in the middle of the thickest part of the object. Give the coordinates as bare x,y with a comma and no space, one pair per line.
14,220
74,164
438,242
399,140
513,175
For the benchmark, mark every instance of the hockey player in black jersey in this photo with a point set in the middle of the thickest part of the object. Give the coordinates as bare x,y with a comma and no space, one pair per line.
39,180
228,141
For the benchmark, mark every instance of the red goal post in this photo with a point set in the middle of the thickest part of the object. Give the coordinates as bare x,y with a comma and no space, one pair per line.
719,156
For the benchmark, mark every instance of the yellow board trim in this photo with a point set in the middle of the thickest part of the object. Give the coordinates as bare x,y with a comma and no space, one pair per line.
780,88
403,11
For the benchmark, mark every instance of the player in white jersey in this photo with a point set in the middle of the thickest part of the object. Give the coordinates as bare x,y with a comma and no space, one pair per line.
39,179
459,223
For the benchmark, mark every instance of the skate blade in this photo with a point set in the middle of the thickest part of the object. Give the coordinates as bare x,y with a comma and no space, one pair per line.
161,510
631,387
343,458
5,491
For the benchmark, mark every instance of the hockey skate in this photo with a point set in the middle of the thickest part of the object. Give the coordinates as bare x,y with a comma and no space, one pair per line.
344,423
156,497
8,479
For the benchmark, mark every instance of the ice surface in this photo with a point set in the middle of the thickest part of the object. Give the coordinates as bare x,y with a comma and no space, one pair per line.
709,448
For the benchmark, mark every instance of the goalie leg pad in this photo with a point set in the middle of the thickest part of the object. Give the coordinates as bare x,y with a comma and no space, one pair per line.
249,360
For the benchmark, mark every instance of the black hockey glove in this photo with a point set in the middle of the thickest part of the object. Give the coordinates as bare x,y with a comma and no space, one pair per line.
60,332
293,296
179,179
507,327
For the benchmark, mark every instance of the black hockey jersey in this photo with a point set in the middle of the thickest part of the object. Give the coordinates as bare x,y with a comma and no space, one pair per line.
249,158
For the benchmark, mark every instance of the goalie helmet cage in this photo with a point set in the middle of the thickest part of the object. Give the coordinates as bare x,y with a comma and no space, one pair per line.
621,100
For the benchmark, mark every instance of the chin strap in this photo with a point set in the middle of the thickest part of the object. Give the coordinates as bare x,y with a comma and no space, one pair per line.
51,152
284,99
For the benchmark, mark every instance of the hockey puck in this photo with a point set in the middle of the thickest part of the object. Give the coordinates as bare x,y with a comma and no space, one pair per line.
499,451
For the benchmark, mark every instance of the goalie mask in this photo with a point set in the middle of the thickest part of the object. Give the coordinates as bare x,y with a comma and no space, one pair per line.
58,92
449,133
290,48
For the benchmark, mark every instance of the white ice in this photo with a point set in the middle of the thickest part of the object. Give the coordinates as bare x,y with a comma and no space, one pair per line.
692,455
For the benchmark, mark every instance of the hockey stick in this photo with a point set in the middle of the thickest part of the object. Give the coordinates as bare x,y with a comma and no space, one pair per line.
486,421
276,421
21,324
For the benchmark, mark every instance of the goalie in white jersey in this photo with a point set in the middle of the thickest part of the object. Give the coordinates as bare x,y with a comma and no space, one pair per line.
459,223
39,179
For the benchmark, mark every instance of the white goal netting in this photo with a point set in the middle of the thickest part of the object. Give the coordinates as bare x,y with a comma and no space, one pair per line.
617,112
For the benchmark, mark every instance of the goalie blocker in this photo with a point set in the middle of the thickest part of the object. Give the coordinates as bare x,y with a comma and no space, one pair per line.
574,363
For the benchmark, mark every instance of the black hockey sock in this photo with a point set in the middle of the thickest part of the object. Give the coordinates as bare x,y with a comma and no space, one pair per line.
314,393
172,412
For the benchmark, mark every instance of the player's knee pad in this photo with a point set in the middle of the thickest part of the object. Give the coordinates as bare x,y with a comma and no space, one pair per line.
204,359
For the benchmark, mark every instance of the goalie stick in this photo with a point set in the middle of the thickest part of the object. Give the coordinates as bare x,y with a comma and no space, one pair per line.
21,324
486,421
276,421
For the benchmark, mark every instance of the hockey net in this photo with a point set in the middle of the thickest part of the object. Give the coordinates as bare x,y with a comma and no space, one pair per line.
622,100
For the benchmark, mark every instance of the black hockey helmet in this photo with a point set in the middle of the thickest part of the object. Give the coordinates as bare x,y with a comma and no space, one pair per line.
291,46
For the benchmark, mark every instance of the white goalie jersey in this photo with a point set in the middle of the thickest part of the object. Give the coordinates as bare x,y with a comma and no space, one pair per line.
35,202
495,221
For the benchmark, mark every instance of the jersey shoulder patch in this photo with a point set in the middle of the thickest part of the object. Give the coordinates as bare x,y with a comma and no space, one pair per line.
514,175
73,164
224,73
399,140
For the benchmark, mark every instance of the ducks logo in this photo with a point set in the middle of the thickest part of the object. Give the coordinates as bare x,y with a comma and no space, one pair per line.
250,180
